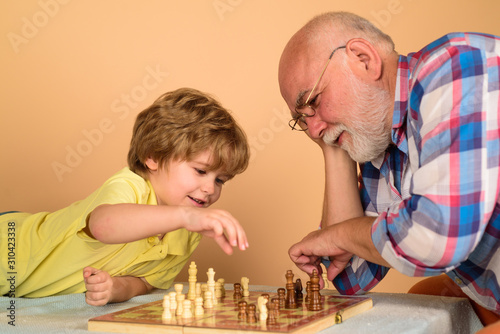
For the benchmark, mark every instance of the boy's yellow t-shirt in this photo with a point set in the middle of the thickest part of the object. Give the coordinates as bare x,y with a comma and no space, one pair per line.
51,249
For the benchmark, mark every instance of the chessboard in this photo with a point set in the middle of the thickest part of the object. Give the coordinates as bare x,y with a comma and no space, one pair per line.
223,317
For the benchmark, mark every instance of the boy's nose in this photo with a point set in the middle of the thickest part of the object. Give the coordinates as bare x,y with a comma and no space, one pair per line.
208,187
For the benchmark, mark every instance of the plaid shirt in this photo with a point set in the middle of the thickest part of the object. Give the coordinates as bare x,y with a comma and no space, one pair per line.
435,192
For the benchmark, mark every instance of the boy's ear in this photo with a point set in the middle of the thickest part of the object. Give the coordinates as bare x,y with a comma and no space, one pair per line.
151,164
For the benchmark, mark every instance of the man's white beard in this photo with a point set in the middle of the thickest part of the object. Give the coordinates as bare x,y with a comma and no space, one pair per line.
369,135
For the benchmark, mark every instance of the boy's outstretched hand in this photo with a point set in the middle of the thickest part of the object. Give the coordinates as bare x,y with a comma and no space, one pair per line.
99,286
219,225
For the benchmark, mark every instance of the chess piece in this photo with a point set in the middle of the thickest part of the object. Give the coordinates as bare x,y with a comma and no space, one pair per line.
244,286
272,317
218,290
276,306
180,304
281,297
198,306
325,279
237,291
178,288
223,290
167,314
251,315
242,310
192,281
308,292
299,296
198,290
315,299
262,304
209,301
211,284
290,301
173,301
186,312
204,288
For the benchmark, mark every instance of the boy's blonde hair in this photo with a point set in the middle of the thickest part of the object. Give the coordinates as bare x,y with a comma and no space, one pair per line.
182,124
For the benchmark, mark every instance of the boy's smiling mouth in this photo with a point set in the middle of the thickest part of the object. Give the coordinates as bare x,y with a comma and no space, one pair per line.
198,201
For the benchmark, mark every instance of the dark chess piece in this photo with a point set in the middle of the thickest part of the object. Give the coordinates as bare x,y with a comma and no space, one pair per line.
251,314
290,301
242,310
237,291
315,299
281,297
299,296
308,292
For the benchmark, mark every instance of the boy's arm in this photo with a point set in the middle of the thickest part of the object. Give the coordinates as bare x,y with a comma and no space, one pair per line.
122,223
103,289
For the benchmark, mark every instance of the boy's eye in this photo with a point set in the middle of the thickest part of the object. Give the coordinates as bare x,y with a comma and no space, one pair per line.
220,181
200,171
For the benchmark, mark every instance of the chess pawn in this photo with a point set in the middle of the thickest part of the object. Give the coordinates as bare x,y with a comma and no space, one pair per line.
173,302
178,288
237,291
308,292
272,317
276,306
244,286
223,290
209,301
198,308
186,312
167,314
242,310
198,290
204,288
298,290
218,290
281,297
180,305
251,316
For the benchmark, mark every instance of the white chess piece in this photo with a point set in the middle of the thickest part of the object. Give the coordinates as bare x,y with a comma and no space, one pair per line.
209,302
167,314
173,301
192,281
244,286
262,305
198,308
186,312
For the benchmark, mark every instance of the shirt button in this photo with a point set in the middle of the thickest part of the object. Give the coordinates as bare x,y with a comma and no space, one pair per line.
458,281
151,240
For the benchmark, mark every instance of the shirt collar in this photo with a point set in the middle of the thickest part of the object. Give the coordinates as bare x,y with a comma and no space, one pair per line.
398,132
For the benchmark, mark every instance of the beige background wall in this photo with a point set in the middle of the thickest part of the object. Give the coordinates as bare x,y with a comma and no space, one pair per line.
74,74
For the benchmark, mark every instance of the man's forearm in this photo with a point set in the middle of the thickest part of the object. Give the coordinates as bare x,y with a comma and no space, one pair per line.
341,199
354,236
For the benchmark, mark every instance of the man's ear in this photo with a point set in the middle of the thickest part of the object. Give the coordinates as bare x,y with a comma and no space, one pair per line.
151,164
364,59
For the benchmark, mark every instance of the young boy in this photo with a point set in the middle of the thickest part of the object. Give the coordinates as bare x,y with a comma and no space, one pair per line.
136,231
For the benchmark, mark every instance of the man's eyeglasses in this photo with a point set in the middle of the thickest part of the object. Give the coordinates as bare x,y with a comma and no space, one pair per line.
298,122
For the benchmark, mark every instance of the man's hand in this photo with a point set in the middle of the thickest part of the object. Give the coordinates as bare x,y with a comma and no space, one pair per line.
99,285
307,253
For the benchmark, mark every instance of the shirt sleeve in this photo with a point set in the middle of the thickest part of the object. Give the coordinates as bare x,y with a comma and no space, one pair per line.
453,188
359,276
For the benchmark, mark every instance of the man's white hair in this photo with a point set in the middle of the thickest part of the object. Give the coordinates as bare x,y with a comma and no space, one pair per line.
340,27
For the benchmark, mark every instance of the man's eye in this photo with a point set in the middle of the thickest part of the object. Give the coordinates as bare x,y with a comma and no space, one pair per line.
312,102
